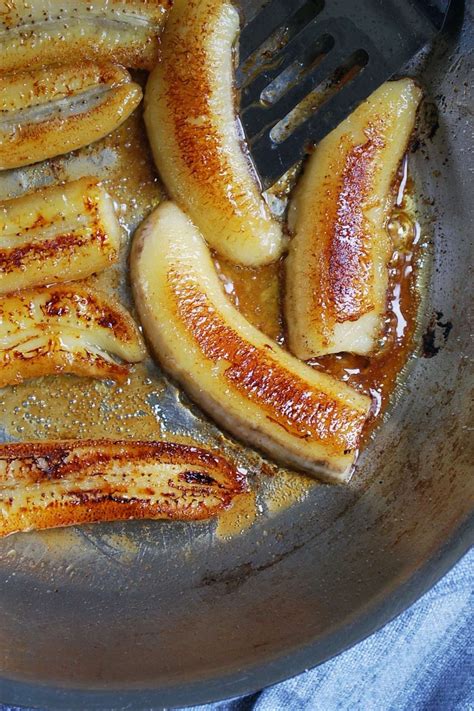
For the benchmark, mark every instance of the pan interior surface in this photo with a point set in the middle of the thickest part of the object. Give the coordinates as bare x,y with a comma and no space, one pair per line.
173,614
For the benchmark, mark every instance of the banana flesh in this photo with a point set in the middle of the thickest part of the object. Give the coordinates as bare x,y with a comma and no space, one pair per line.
337,268
194,134
67,328
50,484
245,381
44,32
48,112
57,234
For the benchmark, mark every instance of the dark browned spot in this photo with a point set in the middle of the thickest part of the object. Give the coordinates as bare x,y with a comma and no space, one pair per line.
350,268
197,478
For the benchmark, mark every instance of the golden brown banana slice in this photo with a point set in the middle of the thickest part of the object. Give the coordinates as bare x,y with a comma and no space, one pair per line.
51,484
337,269
57,234
37,33
193,131
67,328
251,386
47,112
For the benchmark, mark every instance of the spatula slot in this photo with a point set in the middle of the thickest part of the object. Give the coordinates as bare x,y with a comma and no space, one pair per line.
277,18
342,76
259,56
290,76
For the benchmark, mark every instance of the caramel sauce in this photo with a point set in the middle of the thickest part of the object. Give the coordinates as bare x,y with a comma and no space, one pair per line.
241,516
256,292
286,488
377,375
70,407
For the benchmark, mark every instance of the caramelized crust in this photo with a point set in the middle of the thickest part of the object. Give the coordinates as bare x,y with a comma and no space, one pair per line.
249,384
18,259
346,285
51,484
188,97
50,111
38,86
256,374
337,268
36,33
197,145
60,233
65,328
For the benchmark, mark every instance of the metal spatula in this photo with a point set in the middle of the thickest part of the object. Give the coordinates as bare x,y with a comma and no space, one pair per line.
306,64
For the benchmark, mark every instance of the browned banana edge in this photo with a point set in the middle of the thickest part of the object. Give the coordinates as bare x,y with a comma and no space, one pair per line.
55,484
49,355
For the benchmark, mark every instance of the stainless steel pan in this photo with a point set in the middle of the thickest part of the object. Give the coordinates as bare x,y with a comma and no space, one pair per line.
150,615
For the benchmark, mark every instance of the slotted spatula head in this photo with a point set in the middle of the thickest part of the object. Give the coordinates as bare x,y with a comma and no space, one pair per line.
306,64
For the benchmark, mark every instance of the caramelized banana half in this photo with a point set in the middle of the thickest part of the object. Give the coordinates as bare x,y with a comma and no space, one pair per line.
47,112
337,269
251,386
194,134
57,234
51,484
37,33
68,328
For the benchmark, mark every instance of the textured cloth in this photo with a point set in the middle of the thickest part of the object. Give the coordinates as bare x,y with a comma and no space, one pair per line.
422,660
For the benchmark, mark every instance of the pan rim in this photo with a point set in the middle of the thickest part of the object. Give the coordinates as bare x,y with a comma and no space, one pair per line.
293,662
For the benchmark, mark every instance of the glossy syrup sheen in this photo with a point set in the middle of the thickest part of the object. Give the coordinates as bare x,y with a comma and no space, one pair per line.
257,293
146,406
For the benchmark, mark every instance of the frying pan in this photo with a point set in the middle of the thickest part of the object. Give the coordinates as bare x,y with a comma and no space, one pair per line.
158,614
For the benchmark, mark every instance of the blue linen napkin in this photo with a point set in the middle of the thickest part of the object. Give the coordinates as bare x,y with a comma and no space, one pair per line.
421,661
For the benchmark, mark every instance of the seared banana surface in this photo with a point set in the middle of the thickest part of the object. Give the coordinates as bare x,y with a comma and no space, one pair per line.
57,234
50,484
193,131
250,385
337,269
47,112
67,328
44,32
